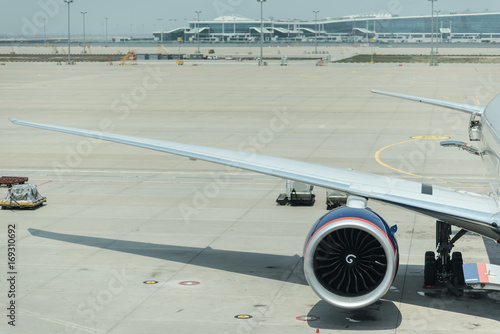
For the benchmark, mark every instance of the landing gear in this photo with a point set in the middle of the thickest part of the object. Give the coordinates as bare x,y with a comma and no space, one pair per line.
443,269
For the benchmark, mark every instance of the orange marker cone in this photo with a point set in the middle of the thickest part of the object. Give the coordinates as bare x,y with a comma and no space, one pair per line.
317,330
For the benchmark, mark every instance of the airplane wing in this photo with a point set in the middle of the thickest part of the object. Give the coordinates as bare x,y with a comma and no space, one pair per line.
467,210
467,108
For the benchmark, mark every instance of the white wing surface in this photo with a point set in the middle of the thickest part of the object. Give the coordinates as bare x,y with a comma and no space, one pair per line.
468,108
470,211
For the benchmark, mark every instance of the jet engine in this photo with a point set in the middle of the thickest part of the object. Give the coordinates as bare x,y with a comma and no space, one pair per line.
351,257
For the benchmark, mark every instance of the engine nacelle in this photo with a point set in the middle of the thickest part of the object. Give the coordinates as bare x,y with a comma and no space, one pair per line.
351,257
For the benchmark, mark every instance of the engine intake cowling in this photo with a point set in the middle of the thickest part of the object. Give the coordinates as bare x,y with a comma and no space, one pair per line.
351,257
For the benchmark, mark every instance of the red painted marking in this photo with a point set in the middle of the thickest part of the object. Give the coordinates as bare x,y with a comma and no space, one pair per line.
44,183
483,274
352,218
189,283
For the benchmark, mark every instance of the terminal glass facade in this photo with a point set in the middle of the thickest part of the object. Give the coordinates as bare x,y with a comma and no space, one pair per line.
417,28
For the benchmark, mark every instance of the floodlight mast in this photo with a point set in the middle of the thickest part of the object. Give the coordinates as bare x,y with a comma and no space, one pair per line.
198,12
83,13
261,31
44,30
432,32
69,32
316,31
106,18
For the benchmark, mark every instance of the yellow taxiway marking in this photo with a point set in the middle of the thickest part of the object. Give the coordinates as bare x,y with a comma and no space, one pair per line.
430,137
243,316
41,75
414,139
477,99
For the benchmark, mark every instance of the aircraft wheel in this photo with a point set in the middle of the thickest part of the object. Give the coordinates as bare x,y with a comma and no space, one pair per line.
457,269
430,270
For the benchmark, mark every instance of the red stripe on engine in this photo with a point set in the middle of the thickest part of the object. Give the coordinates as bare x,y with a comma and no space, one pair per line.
346,218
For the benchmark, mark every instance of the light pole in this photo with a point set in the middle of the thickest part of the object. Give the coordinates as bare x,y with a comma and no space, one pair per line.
83,13
198,12
437,25
432,32
316,30
106,18
161,30
261,31
69,32
44,30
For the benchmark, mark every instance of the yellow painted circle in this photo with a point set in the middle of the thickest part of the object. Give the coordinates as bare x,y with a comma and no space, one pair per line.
430,137
243,316
377,157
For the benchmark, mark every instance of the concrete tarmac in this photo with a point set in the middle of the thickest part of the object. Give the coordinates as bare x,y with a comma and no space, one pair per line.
210,238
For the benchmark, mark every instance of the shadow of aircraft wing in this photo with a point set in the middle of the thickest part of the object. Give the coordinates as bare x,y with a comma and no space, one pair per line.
382,315
276,267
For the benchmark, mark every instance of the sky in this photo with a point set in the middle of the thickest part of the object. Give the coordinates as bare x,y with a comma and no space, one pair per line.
25,18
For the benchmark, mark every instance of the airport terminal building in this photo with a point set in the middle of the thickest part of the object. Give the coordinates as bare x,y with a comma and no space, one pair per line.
448,28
